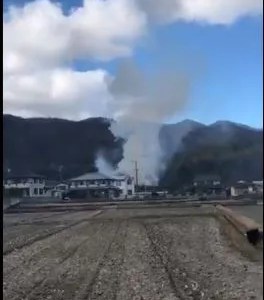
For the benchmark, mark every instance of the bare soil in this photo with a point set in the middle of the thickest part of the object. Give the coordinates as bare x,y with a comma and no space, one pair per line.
149,254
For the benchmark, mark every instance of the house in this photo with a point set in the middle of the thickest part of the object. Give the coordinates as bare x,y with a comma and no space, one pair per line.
49,188
93,192
61,187
24,185
258,186
105,186
55,189
241,188
209,185
206,180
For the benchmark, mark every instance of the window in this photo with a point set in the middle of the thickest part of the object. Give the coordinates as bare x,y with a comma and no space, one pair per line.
129,192
35,191
41,191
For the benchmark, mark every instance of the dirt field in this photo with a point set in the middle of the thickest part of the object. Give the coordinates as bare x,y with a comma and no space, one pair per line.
149,254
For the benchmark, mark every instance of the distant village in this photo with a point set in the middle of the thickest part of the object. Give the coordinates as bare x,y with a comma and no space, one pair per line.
121,187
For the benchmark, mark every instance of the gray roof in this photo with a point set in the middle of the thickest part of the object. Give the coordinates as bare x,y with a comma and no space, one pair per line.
242,185
100,176
91,176
24,175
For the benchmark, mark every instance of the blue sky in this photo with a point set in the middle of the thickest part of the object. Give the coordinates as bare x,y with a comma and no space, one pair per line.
230,86
225,63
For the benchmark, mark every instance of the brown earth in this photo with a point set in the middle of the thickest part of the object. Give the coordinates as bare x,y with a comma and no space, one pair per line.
149,254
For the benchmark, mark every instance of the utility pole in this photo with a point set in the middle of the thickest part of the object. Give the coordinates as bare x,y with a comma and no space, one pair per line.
136,172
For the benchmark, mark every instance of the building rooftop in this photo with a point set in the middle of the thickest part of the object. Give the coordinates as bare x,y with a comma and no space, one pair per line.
258,182
91,176
99,176
20,175
242,185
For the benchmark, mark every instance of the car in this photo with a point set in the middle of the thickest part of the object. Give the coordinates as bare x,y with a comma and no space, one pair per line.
66,198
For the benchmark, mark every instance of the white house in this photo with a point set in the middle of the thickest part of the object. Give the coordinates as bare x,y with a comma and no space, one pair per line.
24,185
258,186
241,188
122,183
55,189
205,180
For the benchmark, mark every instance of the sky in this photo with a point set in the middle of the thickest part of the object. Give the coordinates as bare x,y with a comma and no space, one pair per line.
60,56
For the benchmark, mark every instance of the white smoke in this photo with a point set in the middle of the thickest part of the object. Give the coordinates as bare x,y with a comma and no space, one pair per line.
141,146
140,105
103,166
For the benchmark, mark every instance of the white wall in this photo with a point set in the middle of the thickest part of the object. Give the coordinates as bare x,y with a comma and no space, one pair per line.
238,191
125,187
87,183
119,183
233,191
35,186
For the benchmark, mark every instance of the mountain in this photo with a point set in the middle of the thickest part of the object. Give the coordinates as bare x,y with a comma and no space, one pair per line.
229,124
230,150
54,147
171,136
47,146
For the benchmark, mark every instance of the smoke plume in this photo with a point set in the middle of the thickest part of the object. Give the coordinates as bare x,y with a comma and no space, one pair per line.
103,166
140,104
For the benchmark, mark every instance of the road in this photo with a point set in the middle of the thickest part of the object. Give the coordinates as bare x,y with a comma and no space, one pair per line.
149,254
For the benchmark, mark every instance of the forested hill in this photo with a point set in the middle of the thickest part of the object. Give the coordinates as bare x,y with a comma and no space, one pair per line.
232,151
47,146
44,146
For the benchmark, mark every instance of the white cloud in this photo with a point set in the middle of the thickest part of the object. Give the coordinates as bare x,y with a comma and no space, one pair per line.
59,93
34,37
203,11
39,40
39,34
106,29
